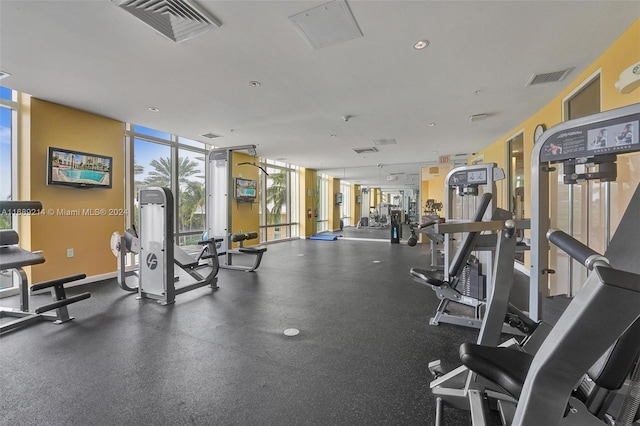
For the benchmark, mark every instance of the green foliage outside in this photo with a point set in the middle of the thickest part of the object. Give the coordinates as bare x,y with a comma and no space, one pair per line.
191,193
5,221
276,196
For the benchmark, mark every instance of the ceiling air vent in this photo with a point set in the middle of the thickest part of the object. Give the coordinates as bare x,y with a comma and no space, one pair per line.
210,135
4,75
550,77
177,20
384,142
327,24
366,150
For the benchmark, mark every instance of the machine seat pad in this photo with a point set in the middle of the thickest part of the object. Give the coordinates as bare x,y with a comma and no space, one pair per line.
434,278
183,259
252,250
13,257
506,367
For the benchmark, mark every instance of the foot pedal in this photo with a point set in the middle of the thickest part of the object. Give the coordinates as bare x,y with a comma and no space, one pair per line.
435,367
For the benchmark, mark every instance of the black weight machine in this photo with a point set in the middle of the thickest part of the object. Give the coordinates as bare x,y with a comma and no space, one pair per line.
13,257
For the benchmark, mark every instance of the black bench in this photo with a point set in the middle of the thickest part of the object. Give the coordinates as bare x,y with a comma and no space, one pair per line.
13,257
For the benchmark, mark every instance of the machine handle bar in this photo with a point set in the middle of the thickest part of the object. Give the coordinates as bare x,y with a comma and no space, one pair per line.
574,248
429,222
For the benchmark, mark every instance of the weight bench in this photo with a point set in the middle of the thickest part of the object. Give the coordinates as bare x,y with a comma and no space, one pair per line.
12,257
190,264
257,252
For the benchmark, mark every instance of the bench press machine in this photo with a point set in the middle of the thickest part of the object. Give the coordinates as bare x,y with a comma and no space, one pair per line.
455,287
13,257
158,253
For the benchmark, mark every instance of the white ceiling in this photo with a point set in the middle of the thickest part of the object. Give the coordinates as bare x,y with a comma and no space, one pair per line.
94,56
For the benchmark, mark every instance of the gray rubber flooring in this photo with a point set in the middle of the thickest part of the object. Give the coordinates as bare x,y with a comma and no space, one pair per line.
221,358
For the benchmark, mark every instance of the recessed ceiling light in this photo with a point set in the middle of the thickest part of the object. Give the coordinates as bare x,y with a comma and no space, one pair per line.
254,83
4,74
421,44
432,124
154,109
333,136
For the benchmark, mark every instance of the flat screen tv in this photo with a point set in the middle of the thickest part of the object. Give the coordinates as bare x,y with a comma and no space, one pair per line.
78,169
246,190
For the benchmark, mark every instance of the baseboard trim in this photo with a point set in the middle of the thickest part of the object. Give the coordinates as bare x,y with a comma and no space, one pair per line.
88,280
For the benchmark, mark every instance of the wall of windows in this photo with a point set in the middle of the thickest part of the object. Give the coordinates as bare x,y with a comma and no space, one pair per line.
279,210
166,160
8,111
8,139
345,207
323,202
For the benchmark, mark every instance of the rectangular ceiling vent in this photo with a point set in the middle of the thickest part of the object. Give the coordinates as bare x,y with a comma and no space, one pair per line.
177,20
4,75
327,24
211,135
384,142
550,77
366,150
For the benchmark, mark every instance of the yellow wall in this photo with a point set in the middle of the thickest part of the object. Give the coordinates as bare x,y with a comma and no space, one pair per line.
620,55
432,188
245,217
54,232
308,200
375,198
356,208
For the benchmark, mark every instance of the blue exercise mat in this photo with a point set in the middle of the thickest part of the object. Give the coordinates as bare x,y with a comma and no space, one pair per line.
325,237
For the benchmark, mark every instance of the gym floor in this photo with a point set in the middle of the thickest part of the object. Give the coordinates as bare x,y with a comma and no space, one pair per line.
221,358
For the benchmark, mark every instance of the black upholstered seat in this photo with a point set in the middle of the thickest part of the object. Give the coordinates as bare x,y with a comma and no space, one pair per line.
506,367
429,277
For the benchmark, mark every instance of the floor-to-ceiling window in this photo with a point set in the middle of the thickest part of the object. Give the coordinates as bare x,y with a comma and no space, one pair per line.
516,186
191,198
166,160
279,205
323,201
8,142
345,207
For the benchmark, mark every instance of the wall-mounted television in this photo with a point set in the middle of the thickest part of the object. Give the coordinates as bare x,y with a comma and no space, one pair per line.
338,198
78,169
246,190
